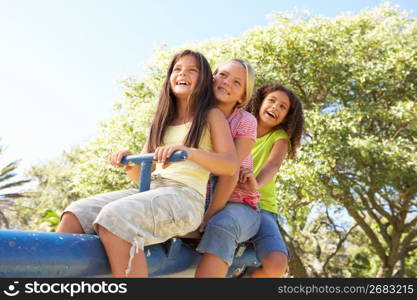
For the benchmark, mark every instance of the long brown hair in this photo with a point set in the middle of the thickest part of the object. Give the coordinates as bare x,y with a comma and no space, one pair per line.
200,101
293,124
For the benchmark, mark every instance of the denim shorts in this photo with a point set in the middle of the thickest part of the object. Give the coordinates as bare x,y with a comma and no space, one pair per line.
269,238
234,224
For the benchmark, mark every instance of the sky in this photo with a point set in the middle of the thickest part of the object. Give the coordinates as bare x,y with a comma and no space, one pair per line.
61,62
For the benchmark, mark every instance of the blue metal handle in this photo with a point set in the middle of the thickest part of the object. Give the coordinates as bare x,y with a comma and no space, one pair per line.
145,161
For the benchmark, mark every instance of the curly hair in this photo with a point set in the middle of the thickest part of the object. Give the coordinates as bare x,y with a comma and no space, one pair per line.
293,123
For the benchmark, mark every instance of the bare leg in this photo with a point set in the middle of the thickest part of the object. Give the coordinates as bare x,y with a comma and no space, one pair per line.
69,224
211,266
273,265
118,251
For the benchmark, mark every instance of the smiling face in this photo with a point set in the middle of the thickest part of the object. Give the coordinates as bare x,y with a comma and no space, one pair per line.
230,84
184,76
274,109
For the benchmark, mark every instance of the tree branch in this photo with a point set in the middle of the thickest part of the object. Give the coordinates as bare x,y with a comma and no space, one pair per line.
399,131
377,207
342,239
410,224
407,242
339,245
377,219
365,227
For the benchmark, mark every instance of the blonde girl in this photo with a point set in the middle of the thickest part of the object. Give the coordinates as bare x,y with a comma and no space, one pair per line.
232,216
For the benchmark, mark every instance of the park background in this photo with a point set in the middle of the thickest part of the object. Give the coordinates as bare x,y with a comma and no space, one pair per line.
79,80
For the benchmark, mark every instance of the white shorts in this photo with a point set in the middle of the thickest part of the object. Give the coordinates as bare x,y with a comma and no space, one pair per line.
167,210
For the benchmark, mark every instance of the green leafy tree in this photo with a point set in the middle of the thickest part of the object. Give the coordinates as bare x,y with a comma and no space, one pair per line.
360,151
319,246
8,185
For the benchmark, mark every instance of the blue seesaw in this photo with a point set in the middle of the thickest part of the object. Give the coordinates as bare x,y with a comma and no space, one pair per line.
50,254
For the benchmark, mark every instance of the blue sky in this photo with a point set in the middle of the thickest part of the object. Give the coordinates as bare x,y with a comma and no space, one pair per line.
61,61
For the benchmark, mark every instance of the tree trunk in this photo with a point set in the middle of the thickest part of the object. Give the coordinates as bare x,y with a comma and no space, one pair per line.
385,271
295,265
399,273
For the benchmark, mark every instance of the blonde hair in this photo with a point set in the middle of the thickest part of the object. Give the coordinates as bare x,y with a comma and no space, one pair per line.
250,78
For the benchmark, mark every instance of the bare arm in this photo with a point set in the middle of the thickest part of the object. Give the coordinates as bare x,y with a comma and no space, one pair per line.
271,167
132,171
227,184
274,162
223,161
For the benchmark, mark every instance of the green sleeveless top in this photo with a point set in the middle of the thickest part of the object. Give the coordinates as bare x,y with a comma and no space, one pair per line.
260,154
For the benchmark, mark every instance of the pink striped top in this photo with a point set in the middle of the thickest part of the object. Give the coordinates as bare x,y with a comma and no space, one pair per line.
243,124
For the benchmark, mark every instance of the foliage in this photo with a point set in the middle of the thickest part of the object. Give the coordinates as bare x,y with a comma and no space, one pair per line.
8,185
